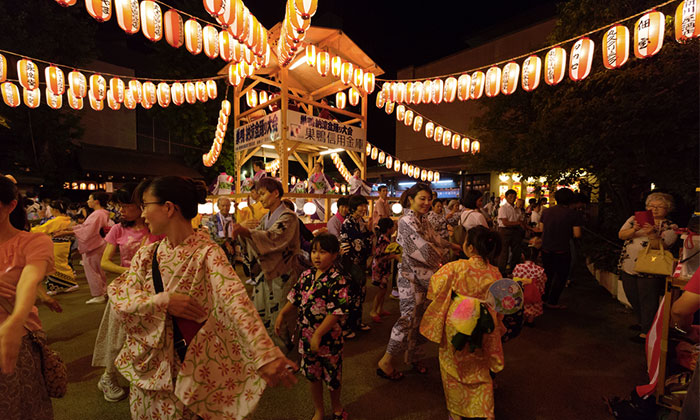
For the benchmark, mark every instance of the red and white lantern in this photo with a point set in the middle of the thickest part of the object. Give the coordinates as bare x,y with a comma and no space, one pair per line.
28,74
389,107
649,34
686,20
437,136
98,87
212,89
95,104
466,144
509,79
32,97
404,168
397,165
450,89
305,8
446,138
136,90
213,7
429,129
210,41
111,103
129,99
417,123
310,55
174,28
336,66
581,59
163,94
3,68
368,82
227,46
193,36
555,66
456,141
477,86
251,98
151,20
55,81
202,94
616,50
53,101
476,147
73,101
357,77
77,84
400,112
128,15
226,107
100,10
463,83
353,96
346,73
532,71
408,118
116,86
234,79
492,83
438,86
177,92
262,97
340,100
66,3
190,93
375,153
323,63
149,92
380,100
389,162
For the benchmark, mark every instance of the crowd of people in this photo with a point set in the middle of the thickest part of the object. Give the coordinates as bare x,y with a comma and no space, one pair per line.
181,328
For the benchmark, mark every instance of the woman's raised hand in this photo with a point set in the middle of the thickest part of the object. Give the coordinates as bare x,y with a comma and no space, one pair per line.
184,306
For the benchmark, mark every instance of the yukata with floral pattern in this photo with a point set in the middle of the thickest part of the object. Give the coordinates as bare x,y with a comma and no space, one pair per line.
315,299
439,224
218,378
318,184
381,268
532,275
465,375
355,233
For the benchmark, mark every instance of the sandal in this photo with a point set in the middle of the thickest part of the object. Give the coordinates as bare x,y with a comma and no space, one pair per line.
419,368
343,415
377,319
349,335
364,327
393,376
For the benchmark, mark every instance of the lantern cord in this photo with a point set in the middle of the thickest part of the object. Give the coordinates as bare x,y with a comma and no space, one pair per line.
195,17
394,158
536,51
427,120
147,79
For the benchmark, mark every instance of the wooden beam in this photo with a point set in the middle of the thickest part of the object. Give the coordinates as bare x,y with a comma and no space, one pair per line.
246,156
363,155
327,90
259,107
266,81
249,87
236,120
330,108
282,146
354,120
355,158
327,40
303,165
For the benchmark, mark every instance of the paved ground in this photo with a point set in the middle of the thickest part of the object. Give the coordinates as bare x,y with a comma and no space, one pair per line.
560,369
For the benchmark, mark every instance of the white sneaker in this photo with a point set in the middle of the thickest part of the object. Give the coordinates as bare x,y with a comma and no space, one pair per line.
97,299
111,390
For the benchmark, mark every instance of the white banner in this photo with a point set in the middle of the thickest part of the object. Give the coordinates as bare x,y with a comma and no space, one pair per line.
267,129
309,129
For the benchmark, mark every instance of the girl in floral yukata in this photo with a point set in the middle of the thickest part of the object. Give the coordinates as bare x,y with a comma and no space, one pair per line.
318,184
465,373
321,297
381,266
219,372
533,279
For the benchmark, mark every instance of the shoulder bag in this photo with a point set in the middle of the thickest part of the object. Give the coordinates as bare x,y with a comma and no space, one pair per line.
654,261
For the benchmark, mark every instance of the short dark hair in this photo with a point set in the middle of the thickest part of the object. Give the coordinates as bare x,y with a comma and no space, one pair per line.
100,196
125,194
59,205
564,197
288,204
270,185
532,201
356,201
382,187
184,192
9,192
383,225
343,201
511,191
470,199
437,201
486,242
259,164
326,242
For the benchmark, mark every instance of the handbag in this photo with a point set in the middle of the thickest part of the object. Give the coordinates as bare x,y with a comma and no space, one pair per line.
654,261
53,368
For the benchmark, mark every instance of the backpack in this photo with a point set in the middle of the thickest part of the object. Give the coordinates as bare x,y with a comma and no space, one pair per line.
459,232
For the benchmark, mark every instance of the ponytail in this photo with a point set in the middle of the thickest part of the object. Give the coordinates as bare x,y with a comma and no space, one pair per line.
383,226
485,242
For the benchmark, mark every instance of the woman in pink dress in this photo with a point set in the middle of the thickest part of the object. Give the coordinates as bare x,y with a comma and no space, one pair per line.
25,259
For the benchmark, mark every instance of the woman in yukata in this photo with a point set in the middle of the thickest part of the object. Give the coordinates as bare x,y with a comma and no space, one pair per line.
423,252
63,279
318,184
184,285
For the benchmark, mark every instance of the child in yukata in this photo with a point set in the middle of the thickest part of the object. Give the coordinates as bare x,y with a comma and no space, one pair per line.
533,279
381,266
321,297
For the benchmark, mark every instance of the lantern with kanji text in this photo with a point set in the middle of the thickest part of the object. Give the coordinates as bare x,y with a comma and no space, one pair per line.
616,47
446,138
417,123
210,41
54,101
400,112
532,70
649,34
555,66
509,78
77,84
73,101
686,20
492,83
212,89
465,146
322,62
336,66
174,28
177,91
98,87
55,81
438,86
149,92
28,74
128,15
463,84
193,36
32,97
389,107
437,136
116,86
163,94
151,20
201,91
429,129
136,90
346,72
456,141
477,86
100,10
408,118
95,104
581,59
191,93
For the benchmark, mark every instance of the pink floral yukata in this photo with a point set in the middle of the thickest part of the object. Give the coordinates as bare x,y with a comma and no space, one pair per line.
218,378
533,279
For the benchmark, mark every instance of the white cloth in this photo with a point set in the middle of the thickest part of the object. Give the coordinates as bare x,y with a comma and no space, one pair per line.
508,212
471,218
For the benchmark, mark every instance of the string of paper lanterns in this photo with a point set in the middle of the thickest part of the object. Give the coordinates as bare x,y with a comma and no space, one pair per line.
239,33
213,155
338,162
440,134
97,87
297,20
347,72
272,166
392,162
473,84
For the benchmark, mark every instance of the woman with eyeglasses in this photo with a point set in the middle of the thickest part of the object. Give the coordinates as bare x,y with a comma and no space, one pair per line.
195,345
644,290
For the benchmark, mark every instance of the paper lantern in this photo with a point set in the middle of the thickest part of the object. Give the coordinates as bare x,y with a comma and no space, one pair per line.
95,104
305,8
98,87
116,86
446,138
298,24
429,178
212,89
393,91
77,84
368,82
340,100
581,59
55,81
380,100
358,77
32,97
227,46
509,78
408,118
389,162
310,55
174,28
322,62
616,47
423,175
450,89
163,94
336,65
262,97
555,66
463,84
149,92
129,99
225,14
201,91
226,107
476,146
234,79
368,149
456,141
381,157
66,3
193,36
346,73
687,21
492,83
28,74
477,86
136,90
397,165
100,10
438,86
427,92
3,68
73,101
429,129
238,16
532,71
210,41
213,7
151,20
437,136
251,98
400,112
465,147
649,34
410,92
417,123
111,102
190,93
128,15
53,101
353,96
389,107
404,168
436,176
409,171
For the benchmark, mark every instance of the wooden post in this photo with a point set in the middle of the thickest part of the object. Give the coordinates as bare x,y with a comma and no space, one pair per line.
236,123
282,146
363,155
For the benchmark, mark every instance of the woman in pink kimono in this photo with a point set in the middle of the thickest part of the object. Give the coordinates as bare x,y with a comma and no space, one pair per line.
218,367
318,184
465,373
